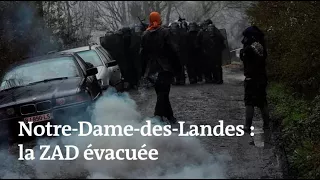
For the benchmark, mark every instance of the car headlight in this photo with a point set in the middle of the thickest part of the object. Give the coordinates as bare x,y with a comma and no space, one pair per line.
72,99
10,111
5,113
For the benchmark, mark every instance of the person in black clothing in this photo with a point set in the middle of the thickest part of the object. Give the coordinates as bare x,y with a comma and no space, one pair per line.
118,45
131,75
157,51
183,31
205,42
218,46
194,62
254,56
177,38
135,52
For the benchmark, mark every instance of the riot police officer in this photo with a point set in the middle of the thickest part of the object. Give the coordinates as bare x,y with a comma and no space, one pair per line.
135,51
113,43
176,39
183,46
130,75
194,68
205,44
218,46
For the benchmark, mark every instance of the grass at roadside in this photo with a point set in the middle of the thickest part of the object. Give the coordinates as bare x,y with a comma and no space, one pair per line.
300,126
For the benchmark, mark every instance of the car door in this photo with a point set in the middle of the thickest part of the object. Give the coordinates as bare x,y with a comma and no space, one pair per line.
105,74
91,83
107,54
114,67
106,59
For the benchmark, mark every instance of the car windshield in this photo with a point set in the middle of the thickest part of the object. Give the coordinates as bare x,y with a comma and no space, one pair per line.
103,51
91,56
62,67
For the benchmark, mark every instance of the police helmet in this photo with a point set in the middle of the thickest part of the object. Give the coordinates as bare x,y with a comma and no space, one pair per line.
184,25
138,28
174,25
211,27
193,26
208,21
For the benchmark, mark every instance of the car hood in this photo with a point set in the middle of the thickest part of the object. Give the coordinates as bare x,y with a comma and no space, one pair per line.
40,91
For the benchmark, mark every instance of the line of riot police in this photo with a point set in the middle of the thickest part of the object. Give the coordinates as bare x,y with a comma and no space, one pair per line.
200,51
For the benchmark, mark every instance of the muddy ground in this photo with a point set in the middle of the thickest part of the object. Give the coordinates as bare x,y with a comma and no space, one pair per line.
208,103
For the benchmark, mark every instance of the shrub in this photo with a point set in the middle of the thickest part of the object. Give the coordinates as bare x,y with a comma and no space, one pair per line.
300,129
293,38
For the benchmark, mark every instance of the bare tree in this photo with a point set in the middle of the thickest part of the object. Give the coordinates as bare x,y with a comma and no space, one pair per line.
169,8
81,18
113,12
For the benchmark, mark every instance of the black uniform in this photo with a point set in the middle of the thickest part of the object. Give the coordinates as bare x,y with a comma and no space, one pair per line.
114,44
157,51
211,42
177,38
183,49
218,47
194,62
205,44
131,75
254,57
135,52
118,44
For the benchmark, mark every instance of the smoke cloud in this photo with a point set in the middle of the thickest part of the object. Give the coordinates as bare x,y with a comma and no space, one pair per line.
179,157
26,30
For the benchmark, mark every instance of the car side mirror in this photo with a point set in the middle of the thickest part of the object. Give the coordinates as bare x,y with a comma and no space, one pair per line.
92,71
90,65
112,63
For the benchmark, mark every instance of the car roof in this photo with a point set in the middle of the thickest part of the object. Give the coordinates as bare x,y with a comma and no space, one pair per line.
40,58
83,48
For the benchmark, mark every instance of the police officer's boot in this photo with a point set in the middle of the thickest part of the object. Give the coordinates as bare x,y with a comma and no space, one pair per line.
208,77
208,80
193,81
180,80
183,77
177,80
199,79
174,81
218,75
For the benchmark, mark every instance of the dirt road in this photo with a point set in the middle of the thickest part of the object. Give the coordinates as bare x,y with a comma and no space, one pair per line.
201,104
206,104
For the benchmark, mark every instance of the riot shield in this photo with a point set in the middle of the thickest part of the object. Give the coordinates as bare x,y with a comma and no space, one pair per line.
102,40
131,75
113,44
176,37
226,59
183,34
135,53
